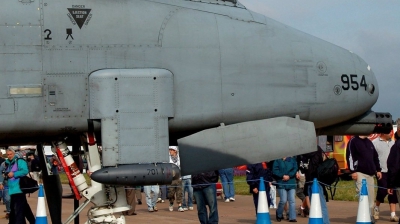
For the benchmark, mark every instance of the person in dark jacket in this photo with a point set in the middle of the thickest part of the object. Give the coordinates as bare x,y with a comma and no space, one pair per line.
308,165
1,161
393,165
363,162
54,162
284,172
253,174
397,134
1,158
205,193
34,167
4,186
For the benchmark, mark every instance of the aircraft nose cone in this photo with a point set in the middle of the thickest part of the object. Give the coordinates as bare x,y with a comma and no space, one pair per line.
354,85
369,83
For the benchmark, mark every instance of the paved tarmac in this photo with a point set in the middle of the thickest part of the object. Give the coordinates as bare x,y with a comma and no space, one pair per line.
240,211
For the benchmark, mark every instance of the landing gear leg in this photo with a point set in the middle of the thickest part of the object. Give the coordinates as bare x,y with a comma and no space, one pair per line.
107,200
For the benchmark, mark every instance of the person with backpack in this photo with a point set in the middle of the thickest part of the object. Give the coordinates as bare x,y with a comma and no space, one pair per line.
363,162
16,168
309,164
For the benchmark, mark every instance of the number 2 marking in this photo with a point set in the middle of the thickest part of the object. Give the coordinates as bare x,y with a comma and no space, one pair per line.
48,35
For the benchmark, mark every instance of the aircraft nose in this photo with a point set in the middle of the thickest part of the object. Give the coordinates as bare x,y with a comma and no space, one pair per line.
354,85
368,85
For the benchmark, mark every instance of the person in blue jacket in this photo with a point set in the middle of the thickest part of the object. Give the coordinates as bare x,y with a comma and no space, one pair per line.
284,172
16,168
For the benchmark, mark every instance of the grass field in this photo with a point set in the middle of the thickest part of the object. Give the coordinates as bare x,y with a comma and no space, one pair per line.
345,190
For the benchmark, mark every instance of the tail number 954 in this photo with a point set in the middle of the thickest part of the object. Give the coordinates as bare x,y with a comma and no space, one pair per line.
352,81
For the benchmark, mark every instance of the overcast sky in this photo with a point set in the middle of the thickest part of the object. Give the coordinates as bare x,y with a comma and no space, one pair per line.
369,28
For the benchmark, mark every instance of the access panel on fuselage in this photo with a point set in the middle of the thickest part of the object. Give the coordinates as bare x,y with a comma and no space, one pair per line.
134,106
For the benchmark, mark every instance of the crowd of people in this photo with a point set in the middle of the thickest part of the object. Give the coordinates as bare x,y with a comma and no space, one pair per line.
292,176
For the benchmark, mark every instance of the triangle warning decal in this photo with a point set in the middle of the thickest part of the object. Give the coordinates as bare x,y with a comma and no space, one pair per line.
79,15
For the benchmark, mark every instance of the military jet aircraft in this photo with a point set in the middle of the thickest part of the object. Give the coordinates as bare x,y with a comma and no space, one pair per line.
225,84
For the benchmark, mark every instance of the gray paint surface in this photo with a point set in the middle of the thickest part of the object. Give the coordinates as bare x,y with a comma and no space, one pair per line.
135,118
229,146
225,64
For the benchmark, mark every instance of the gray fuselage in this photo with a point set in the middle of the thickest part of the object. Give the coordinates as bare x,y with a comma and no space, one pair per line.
229,65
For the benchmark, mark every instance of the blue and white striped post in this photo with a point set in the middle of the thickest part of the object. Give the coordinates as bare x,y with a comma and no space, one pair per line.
315,210
41,216
262,208
364,212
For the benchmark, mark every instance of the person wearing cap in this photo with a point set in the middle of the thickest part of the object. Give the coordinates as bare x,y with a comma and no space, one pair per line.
175,189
